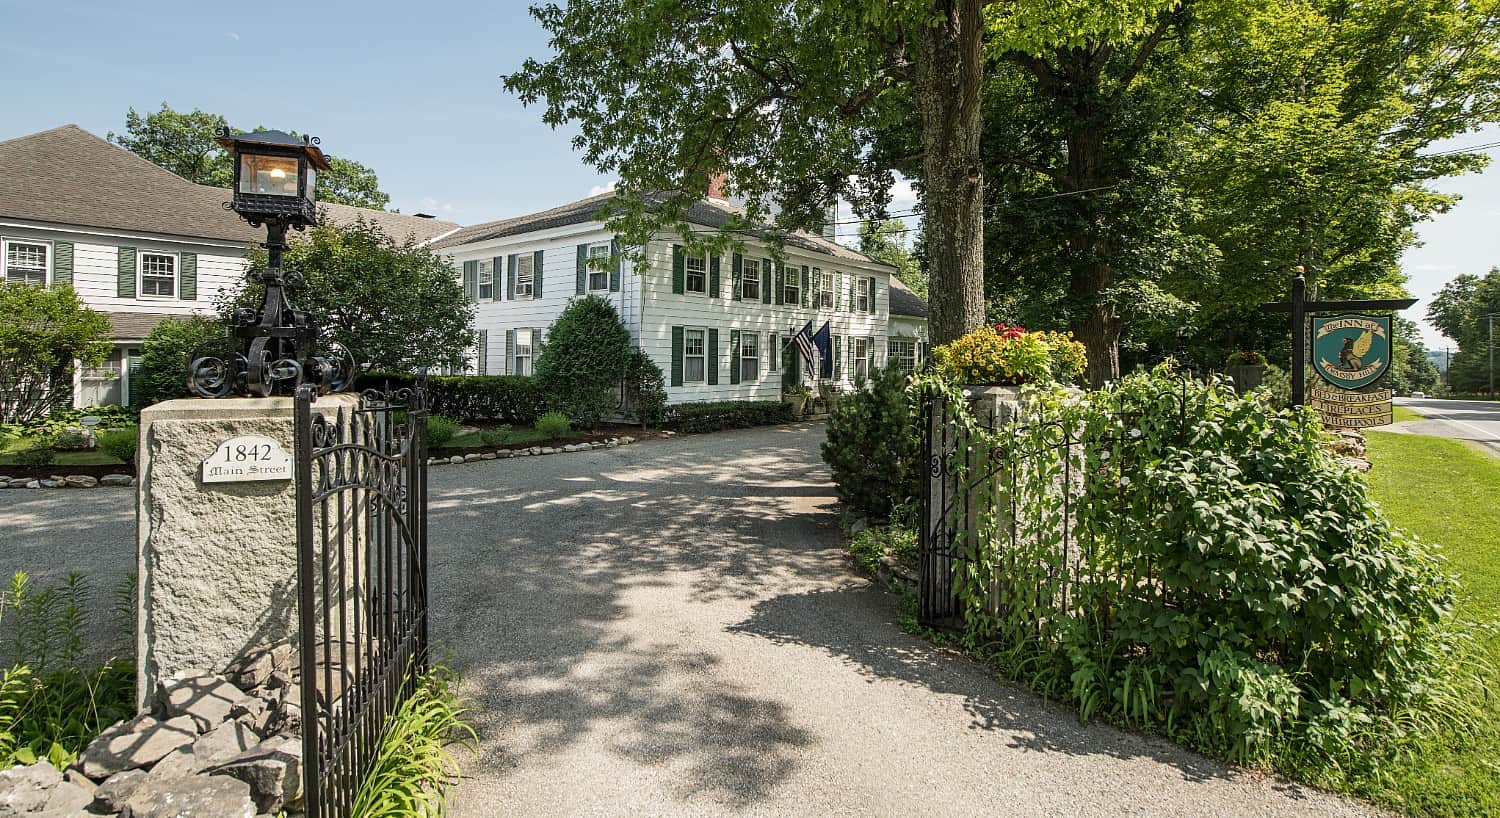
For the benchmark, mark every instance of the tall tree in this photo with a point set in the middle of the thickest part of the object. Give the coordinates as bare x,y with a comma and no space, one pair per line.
1461,311
787,97
885,239
184,143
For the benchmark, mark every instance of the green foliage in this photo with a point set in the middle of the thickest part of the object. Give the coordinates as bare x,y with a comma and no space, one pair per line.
885,239
120,444
38,456
717,416
185,144
45,330
1242,591
166,354
414,769
898,542
1245,358
1460,311
646,389
495,436
554,425
110,417
584,361
440,430
470,398
396,305
873,445
50,707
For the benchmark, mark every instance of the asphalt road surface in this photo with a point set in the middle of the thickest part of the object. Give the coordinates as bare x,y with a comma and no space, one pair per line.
1474,421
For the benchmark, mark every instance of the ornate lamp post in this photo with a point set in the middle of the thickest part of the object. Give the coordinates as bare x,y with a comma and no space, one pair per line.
272,349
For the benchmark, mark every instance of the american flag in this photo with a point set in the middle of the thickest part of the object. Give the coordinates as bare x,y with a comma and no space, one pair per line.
804,341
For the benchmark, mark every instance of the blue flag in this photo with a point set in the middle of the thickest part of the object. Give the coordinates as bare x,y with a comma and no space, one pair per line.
823,340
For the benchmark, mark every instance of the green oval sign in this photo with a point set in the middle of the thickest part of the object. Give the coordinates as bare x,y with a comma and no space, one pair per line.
1350,351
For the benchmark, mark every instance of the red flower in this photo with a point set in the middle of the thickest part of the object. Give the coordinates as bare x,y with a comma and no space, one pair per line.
1007,333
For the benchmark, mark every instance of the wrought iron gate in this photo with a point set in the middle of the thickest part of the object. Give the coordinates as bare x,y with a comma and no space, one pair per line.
361,486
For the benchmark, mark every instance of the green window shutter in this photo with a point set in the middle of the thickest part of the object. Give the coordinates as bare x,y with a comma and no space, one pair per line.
509,351
536,274
583,268
853,283
838,292
734,352
803,288
125,272
677,356
713,278
679,271
187,288
510,276
780,281
765,281
497,271
736,270
713,357
471,280
614,270
62,263
872,296
817,280
837,370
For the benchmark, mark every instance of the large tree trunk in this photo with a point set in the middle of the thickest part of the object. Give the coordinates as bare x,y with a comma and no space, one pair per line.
1098,325
949,78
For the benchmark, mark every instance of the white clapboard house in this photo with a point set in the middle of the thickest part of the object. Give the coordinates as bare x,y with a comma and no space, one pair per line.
136,242
716,325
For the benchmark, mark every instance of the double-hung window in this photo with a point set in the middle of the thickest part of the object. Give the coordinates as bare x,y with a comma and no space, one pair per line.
861,347
158,275
598,273
862,294
694,357
487,280
903,353
27,262
792,293
749,356
750,280
696,268
524,274
523,352
825,288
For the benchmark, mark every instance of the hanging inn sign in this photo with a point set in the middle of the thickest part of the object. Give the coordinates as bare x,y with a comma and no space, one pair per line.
1351,351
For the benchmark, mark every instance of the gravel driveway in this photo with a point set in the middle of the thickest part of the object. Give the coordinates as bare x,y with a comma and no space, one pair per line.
671,628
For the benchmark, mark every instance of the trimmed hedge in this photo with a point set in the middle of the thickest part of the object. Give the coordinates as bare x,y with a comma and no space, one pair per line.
714,416
469,398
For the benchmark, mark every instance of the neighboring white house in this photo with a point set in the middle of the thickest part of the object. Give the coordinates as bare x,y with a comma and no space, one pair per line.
136,242
716,325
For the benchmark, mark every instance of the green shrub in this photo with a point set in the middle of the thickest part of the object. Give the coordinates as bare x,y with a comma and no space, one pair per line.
646,389
469,398
110,417
899,542
872,445
50,706
166,353
39,456
120,444
414,769
45,333
1242,590
554,425
440,431
495,436
582,365
715,416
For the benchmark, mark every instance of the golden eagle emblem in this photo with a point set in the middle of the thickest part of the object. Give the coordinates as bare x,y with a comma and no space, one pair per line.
1352,356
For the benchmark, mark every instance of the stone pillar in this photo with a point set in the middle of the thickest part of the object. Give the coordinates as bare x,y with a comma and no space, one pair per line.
216,562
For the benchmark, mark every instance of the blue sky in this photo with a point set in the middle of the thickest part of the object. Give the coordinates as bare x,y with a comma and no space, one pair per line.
414,91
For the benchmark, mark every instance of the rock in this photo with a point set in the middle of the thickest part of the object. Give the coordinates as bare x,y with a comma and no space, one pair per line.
117,480
471,457
858,524
626,440
504,453
75,776
66,799
52,483
33,484
487,456
455,460
179,763
223,742
80,481
25,790
273,771
255,713
549,450
612,444
576,447
114,794
199,796
251,670
280,679
204,699
135,744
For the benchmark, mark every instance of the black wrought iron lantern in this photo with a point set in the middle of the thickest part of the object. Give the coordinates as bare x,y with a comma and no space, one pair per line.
275,176
274,349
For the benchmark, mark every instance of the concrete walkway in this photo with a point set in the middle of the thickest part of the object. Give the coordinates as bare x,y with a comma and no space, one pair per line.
672,628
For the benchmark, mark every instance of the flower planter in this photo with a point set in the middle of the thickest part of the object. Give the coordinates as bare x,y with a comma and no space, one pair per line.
796,402
1247,378
994,405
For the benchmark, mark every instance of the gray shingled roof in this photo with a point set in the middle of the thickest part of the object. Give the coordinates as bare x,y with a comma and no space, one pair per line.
706,212
134,326
68,176
906,302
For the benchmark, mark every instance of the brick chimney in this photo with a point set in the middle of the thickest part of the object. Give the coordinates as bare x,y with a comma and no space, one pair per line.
718,186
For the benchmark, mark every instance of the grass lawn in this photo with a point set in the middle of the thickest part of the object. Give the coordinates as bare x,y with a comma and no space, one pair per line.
514,437
12,446
1446,492
1400,413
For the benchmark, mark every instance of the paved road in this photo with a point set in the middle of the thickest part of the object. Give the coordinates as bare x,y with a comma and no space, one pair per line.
1475,421
671,628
